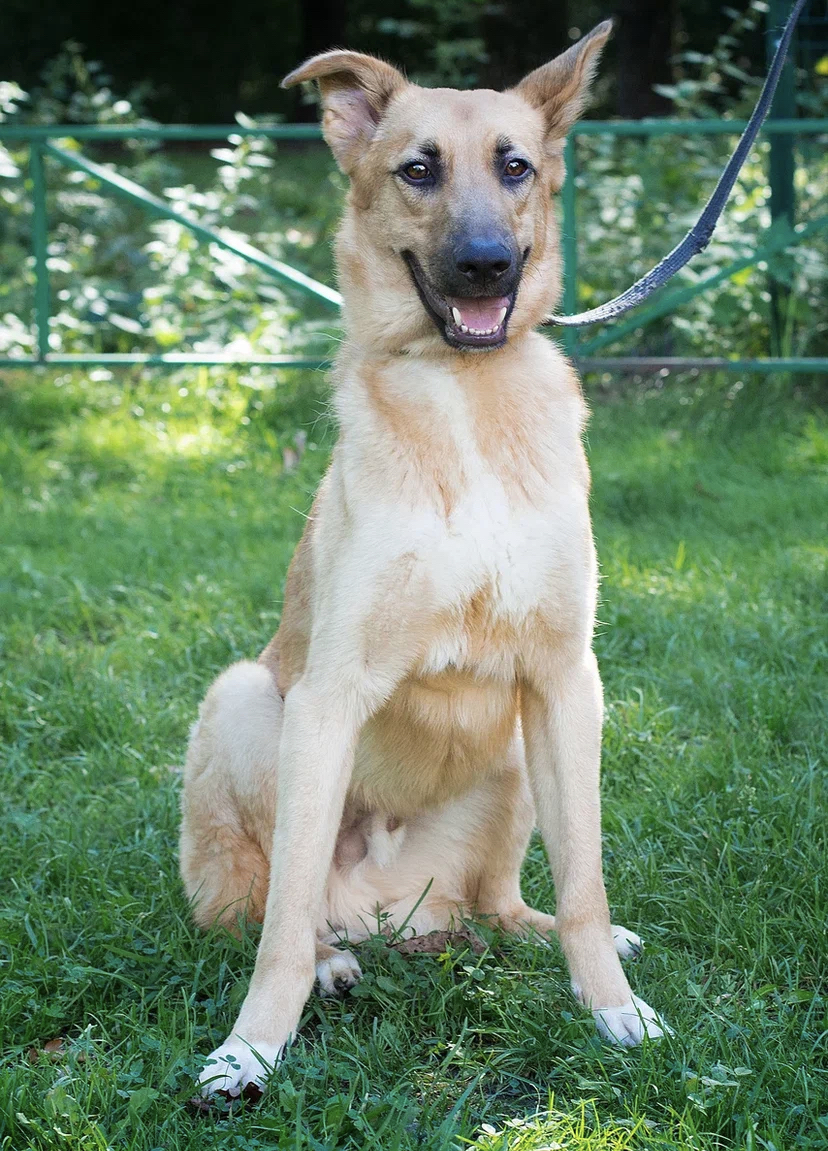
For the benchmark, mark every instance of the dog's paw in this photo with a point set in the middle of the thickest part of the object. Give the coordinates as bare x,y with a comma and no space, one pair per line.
337,974
627,943
238,1067
628,1024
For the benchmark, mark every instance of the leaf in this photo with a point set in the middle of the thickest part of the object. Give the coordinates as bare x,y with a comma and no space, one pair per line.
53,1048
60,1102
798,995
224,154
437,942
141,1099
125,324
386,984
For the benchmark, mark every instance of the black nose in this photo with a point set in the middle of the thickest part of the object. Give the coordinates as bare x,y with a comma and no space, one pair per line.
483,259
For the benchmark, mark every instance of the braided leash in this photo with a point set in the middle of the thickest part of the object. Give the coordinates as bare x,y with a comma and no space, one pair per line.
699,235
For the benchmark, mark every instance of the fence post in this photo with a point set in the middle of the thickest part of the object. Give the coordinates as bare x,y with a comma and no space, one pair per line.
40,243
781,165
570,243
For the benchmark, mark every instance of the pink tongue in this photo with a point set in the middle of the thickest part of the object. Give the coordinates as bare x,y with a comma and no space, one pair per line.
479,314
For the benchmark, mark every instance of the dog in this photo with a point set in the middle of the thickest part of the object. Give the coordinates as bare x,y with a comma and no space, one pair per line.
431,691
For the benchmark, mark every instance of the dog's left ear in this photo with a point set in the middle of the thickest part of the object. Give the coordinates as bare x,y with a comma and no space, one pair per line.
560,88
356,89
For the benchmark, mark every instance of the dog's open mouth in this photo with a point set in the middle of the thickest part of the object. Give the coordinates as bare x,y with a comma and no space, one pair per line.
464,321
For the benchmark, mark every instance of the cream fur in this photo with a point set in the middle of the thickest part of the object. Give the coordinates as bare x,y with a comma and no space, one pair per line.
432,688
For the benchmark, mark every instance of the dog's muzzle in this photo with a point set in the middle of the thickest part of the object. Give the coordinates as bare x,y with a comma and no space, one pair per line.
478,320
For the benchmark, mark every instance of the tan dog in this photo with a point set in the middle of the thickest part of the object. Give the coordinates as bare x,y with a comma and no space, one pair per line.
432,685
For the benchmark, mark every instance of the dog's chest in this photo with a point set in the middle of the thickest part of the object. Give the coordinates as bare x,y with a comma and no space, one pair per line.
484,524
491,540
505,524
498,565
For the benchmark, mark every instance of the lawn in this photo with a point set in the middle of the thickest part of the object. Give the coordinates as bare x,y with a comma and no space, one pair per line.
145,530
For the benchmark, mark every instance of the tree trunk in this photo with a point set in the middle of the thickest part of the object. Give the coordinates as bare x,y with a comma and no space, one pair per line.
324,24
522,34
644,47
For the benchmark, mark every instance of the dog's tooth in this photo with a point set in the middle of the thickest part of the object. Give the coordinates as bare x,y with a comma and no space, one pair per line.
458,319
463,328
502,317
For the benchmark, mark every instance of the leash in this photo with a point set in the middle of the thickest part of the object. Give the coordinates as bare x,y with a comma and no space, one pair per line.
699,235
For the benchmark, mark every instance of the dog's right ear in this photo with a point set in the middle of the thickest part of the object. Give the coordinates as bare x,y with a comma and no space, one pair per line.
356,90
559,89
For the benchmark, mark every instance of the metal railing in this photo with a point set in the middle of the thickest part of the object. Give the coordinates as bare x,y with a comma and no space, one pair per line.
781,237
41,142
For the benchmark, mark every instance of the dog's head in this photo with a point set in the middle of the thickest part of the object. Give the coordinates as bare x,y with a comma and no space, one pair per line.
449,237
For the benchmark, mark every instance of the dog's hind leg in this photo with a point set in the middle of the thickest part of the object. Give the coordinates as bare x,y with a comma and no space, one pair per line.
336,971
505,841
229,795
499,848
228,808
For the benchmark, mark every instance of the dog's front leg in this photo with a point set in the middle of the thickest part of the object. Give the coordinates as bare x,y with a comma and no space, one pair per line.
562,716
316,753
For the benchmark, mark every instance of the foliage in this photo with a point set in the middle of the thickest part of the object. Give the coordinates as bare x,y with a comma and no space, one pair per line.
123,283
74,90
146,527
728,80
637,199
446,40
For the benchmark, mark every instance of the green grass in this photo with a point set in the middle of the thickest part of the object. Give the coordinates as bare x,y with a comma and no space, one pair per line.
145,536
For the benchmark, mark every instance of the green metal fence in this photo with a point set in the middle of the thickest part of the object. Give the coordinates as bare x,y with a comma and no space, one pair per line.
43,143
783,236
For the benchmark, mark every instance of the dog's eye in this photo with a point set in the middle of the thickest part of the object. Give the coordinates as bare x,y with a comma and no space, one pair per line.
416,172
514,169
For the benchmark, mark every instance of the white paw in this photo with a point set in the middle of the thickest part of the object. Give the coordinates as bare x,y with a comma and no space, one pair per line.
236,1064
628,1024
627,943
338,974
